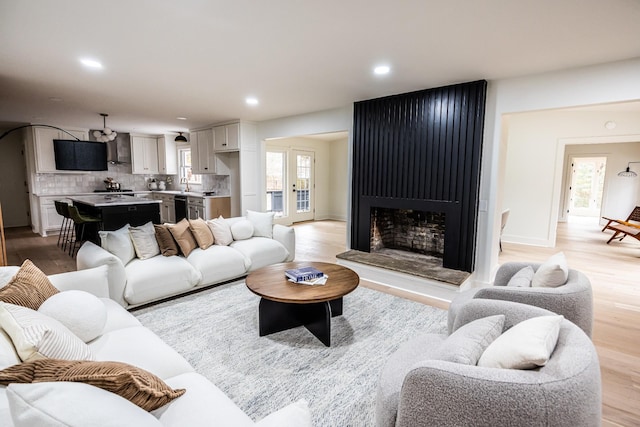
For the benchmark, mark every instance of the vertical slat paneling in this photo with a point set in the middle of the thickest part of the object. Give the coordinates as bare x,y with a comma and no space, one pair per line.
422,145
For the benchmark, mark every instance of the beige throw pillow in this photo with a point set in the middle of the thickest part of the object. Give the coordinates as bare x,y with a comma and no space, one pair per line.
29,287
144,240
184,237
221,231
201,232
134,384
36,336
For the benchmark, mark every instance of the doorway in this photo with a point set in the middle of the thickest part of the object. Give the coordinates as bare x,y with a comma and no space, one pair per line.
14,194
586,188
290,184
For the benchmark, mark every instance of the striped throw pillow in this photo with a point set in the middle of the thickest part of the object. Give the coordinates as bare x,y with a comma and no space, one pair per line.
30,287
36,336
134,384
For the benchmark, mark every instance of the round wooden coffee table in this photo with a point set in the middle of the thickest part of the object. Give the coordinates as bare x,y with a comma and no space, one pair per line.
285,305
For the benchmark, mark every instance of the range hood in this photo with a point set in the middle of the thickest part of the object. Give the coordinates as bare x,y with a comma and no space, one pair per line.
118,150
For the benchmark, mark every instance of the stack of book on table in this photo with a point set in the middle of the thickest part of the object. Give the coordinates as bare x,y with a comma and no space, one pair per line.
306,276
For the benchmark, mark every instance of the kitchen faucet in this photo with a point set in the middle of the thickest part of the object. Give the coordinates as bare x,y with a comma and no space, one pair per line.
185,181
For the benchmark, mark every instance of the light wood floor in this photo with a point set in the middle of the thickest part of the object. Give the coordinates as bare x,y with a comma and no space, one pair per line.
613,270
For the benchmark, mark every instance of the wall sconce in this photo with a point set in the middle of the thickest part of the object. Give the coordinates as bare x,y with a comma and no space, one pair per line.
628,173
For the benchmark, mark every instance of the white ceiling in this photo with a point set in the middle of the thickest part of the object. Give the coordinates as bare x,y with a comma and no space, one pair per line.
200,58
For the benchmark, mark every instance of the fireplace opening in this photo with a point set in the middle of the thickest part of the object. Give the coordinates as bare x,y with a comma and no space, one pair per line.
407,230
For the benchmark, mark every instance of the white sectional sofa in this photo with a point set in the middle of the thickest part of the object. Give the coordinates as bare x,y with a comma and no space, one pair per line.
123,339
141,281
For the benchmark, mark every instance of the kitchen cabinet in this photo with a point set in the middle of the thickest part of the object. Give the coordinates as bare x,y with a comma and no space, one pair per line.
45,160
203,157
226,137
167,155
209,207
219,206
50,220
167,207
144,155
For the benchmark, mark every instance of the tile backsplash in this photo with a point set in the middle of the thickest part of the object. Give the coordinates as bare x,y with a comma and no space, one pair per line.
54,184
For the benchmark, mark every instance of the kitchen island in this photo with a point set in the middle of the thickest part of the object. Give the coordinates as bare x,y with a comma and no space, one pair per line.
117,210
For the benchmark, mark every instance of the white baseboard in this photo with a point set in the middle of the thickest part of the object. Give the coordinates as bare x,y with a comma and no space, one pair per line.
406,282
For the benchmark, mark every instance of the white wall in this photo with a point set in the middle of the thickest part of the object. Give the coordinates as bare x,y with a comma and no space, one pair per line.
536,146
339,182
614,82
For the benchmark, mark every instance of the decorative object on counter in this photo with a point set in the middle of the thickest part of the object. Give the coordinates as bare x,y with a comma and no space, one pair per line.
162,186
111,184
106,134
152,184
180,138
169,180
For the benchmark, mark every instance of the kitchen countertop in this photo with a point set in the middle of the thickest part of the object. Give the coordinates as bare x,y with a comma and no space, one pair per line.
135,193
189,194
110,199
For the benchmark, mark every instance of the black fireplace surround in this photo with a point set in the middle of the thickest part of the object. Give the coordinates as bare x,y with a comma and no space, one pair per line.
421,151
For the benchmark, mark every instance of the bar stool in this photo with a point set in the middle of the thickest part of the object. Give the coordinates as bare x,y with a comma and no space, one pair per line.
63,210
79,220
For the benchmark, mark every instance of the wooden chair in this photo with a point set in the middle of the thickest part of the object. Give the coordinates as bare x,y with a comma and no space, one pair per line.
629,227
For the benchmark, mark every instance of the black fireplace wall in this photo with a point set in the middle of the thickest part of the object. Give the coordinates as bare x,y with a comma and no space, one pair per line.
422,151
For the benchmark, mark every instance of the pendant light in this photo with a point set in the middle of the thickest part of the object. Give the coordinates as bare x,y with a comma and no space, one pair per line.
106,134
181,138
628,172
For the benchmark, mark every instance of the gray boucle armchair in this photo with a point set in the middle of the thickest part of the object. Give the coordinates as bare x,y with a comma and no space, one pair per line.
573,300
415,390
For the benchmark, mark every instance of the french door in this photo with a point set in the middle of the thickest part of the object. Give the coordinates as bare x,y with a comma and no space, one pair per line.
302,202
290,184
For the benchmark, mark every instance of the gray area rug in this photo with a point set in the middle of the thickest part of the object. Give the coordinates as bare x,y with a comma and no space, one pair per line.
217,332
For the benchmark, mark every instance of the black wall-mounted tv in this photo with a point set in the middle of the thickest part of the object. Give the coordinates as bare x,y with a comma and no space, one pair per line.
73,155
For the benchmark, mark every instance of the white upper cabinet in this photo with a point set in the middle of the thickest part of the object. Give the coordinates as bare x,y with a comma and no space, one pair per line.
43,147
227,137
144,155
167,155
202,157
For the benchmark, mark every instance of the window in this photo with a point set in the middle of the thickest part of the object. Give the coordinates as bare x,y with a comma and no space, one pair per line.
184,156
275,181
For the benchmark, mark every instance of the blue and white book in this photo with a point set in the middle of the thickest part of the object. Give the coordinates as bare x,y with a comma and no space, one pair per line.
303,274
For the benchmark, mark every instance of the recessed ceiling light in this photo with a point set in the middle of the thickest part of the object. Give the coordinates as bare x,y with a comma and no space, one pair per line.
181,118
610,125
91,63
251,101
381,70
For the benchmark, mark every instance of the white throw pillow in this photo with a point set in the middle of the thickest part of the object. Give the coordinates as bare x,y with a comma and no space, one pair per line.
242,230
262,223
36,336
221,231
119,243
552,273
468,342
72,404
527,345
522,279
144,240
7,273
82,313
296,414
